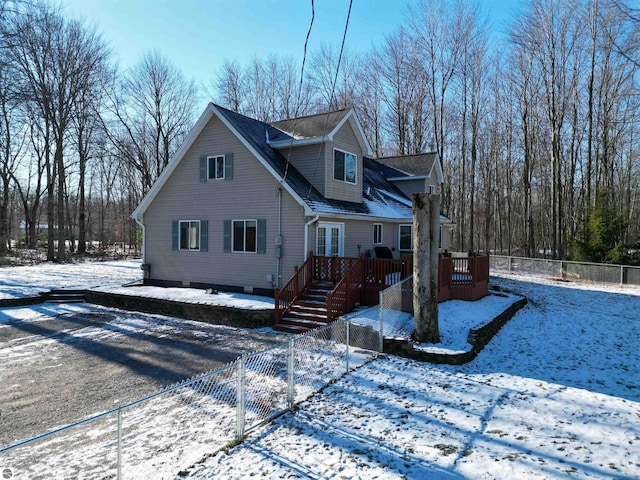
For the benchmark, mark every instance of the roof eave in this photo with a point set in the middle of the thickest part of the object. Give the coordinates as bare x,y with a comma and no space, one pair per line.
355,124
409,177
296,142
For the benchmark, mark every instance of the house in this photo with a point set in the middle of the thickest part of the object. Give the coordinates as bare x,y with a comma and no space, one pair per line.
243,202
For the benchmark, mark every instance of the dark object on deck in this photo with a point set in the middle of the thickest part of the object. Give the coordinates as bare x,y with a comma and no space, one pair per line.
383,252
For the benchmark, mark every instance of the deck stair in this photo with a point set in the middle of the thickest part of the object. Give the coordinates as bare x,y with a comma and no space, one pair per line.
309,311
66,296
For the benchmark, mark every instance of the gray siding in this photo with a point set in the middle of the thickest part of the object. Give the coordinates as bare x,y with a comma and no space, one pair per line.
309,161
251,194
409,187
360,232
344,140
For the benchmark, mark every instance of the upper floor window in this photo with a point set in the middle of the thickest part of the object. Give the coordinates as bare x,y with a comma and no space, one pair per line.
215,167
377,233
344,166
406,237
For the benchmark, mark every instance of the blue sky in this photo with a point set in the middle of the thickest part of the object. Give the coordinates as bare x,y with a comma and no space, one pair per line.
197,35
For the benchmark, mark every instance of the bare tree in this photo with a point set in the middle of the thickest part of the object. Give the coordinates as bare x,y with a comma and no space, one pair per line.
56,59
441,30
333,78
12,138
153,113
230,86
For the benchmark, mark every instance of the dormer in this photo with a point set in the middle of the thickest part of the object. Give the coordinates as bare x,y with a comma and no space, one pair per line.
416,173
328,149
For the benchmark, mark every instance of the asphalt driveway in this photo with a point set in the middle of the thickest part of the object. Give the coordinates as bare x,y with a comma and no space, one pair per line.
62,363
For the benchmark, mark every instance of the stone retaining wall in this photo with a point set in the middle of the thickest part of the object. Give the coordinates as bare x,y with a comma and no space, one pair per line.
213,314
478,338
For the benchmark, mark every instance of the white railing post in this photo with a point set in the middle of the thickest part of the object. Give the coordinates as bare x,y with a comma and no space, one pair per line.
621,274
381,319
290,375
119,458
347,351
240,397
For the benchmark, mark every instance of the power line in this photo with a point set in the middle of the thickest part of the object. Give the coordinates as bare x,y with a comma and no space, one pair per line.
333,89
297,109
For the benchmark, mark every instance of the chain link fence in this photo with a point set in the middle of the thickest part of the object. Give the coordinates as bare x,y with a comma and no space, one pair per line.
180,425
392,318
575,271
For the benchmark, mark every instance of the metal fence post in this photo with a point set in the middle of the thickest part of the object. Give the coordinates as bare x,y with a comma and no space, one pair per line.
381,318
240,397
347,352
621,274
291,395
119,460
509,262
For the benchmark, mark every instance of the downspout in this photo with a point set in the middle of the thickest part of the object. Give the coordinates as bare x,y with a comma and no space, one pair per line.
306,235
144,246
279,247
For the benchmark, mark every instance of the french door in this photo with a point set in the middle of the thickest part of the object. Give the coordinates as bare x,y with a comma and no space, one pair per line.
330,239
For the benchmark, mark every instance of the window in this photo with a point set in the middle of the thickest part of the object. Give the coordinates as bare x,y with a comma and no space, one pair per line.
406,238
377,233
344,166
190,235
244,234
215,167
432,189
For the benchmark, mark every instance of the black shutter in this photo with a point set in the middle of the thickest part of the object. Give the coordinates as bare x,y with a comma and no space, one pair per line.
175,235
204,236
226,239
203,169
262,236
228,166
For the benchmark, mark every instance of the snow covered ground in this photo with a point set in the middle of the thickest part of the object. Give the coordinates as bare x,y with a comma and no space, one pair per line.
556,394
18,282
194,295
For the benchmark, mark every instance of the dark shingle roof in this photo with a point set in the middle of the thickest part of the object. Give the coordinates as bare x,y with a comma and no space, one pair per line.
378,193
419,164
311,125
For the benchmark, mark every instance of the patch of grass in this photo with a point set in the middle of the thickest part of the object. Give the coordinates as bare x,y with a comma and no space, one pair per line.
446,449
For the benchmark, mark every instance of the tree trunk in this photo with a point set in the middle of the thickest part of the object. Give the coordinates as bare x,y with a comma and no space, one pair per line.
426,324
61,257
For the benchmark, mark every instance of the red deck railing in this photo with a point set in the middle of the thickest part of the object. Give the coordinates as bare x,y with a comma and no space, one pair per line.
360,280
284,297
469,277
346,293
381,273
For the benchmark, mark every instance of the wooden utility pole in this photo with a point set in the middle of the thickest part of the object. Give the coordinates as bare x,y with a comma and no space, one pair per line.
426,229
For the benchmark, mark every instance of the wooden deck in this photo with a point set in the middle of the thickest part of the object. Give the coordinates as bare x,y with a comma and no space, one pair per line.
355,281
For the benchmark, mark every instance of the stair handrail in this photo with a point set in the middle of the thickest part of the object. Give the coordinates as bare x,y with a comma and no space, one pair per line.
289,293
349,285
